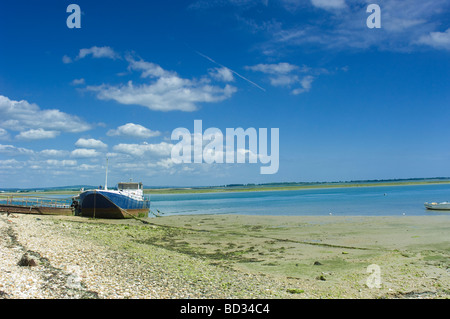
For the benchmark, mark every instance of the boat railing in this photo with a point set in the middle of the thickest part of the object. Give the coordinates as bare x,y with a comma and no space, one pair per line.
147,200
36,201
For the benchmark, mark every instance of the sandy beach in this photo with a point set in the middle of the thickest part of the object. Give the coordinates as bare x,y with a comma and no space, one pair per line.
224,256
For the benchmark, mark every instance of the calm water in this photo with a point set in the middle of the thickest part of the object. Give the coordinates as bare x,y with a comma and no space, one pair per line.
366,201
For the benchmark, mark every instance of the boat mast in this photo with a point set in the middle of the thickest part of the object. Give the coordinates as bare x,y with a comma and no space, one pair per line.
106,178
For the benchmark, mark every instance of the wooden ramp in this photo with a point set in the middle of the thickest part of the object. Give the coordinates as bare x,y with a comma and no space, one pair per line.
36,205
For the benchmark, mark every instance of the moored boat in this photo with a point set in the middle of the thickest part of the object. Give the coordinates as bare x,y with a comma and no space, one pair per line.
127,201
438,206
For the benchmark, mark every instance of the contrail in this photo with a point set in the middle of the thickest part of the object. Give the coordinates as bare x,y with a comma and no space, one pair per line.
234,72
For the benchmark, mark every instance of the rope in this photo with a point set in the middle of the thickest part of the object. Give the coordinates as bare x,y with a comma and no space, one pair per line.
126,212
135,217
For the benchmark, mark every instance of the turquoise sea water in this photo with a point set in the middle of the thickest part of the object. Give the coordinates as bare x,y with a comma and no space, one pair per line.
349,201
363,201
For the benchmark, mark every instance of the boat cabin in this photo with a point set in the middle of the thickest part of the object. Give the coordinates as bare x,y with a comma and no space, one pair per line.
130,186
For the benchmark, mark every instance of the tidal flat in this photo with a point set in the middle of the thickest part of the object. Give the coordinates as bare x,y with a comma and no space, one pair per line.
226,256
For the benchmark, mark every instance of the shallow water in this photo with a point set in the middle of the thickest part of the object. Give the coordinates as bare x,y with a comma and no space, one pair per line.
364,201
346,201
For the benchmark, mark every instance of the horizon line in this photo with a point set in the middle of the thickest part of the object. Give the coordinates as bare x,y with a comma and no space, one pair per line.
246,184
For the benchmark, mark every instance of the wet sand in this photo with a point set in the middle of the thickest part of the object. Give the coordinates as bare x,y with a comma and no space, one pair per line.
330,256
226,256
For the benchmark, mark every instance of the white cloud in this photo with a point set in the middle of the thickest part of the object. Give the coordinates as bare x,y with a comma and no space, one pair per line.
168,91
139,150
4,135
84,153
149,167
78,81
221,74
21,115
329,4
95,52
306,85
37,134
287,75
134,130
61,162
438,40
234,72
148,69
279,68
87,167
66,59
98,52
12,150
90,143
165,163
207,4
113,155
53,153
167,94
10,164
284,80
343,26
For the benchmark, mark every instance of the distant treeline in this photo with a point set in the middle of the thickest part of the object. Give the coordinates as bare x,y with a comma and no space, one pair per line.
398,180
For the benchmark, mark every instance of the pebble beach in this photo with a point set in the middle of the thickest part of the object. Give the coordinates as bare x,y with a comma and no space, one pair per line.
223,256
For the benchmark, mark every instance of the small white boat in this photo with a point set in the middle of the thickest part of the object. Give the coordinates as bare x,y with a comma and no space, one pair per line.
438,206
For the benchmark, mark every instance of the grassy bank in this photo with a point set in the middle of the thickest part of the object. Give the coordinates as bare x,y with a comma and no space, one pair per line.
255,188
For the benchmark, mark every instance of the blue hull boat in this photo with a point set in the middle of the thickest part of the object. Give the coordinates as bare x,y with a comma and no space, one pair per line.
128,201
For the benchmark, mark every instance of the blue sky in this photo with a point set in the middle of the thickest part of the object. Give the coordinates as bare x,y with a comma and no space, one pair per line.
350,102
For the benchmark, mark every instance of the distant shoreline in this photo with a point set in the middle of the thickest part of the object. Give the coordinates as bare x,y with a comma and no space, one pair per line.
236,189
193,190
